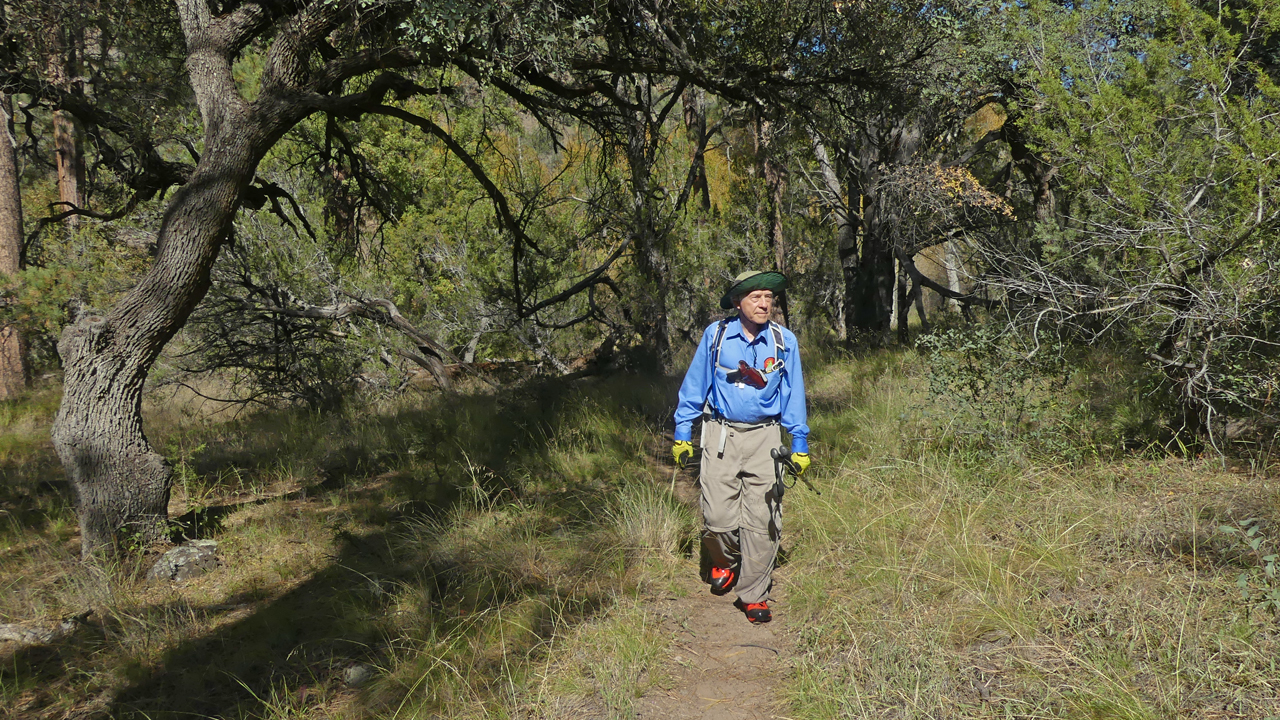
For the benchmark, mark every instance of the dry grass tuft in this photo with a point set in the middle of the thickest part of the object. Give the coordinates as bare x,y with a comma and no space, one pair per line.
441,553
650,520
491,558
940,584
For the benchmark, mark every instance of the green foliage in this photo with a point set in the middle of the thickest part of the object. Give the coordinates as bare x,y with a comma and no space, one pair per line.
1260,585
990,392
1161,119
37,298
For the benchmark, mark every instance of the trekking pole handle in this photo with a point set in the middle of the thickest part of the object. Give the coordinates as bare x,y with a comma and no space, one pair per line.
780,454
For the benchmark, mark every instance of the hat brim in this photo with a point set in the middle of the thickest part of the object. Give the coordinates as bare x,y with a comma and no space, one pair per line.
775,281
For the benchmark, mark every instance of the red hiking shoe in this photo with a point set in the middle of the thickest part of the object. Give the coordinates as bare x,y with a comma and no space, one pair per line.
758,612
722,579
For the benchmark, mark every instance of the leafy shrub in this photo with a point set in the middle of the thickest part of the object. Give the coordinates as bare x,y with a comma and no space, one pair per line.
991,392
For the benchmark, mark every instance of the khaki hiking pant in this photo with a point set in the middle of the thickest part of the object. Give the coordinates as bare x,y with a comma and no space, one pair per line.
743,519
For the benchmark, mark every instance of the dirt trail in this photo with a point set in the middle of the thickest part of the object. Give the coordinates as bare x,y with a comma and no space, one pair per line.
724,668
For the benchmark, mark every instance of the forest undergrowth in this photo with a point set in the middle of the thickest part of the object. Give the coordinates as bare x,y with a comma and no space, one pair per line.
493,555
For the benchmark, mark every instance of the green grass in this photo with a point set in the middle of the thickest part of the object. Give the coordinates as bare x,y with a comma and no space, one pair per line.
491,556
939,583
453,544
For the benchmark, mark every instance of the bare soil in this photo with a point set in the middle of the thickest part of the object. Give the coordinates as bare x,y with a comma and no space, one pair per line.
725,668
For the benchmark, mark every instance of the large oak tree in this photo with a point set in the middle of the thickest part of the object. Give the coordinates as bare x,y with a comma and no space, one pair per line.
350,58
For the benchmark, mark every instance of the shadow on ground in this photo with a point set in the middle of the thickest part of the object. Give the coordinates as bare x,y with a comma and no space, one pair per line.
545,459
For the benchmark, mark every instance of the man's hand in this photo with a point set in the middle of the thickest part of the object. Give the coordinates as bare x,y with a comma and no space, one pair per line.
682,449
800,461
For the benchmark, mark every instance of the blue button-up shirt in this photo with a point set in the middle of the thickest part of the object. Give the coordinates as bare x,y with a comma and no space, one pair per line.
782,399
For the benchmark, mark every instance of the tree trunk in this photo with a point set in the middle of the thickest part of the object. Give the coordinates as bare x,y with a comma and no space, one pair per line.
64,70
775,179
1040,175
121,485
69,153
340,213
846,230
885,142
694,103
953,274
870,289
917,294
902,306
648,239
13,366
652,322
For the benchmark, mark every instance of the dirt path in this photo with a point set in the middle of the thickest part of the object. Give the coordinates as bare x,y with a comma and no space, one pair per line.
724,667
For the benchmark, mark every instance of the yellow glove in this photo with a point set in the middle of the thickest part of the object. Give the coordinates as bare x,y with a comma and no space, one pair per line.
801,462
682,449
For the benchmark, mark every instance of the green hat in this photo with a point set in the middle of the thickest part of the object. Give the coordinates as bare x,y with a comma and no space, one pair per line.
753,280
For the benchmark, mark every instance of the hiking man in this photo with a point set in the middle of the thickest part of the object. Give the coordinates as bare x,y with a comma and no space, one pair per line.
746,384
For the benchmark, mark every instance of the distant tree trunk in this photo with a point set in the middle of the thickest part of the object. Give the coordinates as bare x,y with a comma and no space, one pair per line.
953,273
1040,174
69,154
340,212
869,287
68,147
917,292
902,306
846,228
13,366
775,180
694,103
651,321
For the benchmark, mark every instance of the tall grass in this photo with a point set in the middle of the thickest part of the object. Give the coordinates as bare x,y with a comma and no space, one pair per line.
492,556
936,581
453,545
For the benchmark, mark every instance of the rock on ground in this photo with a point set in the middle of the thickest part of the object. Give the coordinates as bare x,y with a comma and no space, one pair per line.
185,562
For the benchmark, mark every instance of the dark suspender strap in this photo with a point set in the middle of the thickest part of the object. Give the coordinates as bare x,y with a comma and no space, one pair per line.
715,362
779,343
715,346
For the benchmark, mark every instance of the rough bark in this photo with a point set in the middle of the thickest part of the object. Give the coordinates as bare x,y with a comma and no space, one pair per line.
652,263
648,239
121,485
68,146
13,367
871,279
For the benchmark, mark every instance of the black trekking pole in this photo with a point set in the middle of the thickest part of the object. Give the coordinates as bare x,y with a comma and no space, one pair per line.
782,465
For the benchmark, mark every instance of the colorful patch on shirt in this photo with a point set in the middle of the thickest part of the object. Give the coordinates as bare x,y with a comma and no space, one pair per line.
769,363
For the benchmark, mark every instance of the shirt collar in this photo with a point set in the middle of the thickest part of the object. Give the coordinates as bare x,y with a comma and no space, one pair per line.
764,330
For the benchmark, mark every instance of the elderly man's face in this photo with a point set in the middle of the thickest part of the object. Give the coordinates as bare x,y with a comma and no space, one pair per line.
756,306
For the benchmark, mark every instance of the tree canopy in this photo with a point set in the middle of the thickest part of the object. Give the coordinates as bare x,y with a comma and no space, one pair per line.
315,200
